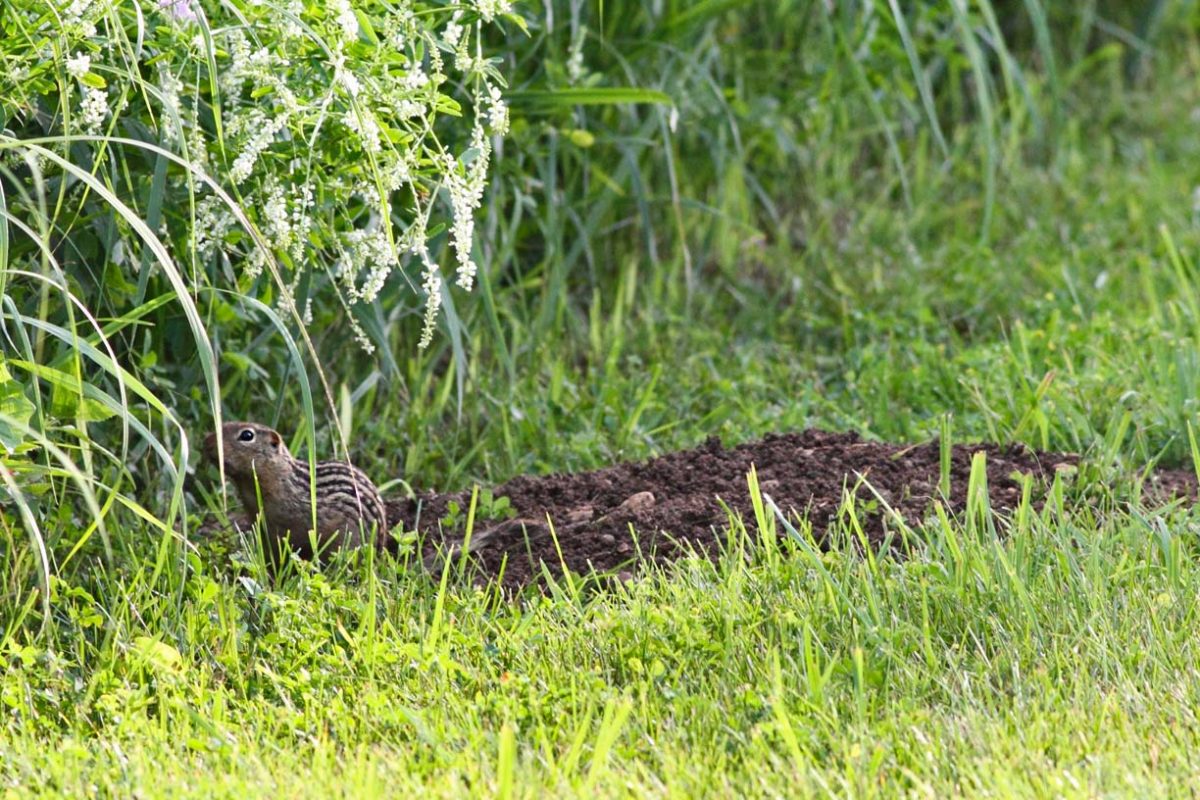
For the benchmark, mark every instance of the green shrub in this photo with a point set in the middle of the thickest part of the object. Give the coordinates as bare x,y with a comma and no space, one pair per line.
335,129
185,186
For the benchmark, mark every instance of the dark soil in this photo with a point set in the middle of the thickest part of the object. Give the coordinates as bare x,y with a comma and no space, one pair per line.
674,502
1165,485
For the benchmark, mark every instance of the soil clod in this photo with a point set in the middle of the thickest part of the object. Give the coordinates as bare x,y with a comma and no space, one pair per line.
677,502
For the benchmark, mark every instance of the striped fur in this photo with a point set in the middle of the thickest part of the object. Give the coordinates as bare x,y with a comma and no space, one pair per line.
349,511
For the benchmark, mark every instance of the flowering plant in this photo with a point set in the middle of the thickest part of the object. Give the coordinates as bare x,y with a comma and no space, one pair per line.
349,132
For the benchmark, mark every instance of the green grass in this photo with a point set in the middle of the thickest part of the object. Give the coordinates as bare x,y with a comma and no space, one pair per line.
1077,313
1004,250
1056,662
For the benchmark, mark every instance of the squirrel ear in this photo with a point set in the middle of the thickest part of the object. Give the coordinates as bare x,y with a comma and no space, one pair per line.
275,440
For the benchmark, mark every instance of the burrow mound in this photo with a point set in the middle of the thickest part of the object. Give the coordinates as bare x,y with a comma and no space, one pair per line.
678,501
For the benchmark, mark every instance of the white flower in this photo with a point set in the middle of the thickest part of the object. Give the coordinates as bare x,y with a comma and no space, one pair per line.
346,19
261,61
263,133
350,81
488,9
278,225
366,249
344,76
415,79
364,124
234,75
407,109
575,59
366,190
465,186
197,150
497,112
95,108
277,127
290,102
292,30
398,173
200,175
74,12
361,337
464,62
432,284
399,27
171,88
213,221
302,203
256,262
79,65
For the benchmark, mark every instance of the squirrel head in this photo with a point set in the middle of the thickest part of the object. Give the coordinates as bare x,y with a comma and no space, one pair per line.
246,444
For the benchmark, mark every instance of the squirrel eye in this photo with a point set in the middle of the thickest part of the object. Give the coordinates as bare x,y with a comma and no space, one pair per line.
246,435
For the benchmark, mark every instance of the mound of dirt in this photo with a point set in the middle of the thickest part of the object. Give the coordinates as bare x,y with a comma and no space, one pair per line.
678,500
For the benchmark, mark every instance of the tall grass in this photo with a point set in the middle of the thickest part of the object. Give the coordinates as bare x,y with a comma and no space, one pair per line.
783,113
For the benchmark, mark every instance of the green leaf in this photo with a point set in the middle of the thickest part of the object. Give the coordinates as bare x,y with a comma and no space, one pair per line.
3,234
68,398
160,657
13,405
93,80
517,20
702,12
70,405
115,283
365,32
580,138
599,96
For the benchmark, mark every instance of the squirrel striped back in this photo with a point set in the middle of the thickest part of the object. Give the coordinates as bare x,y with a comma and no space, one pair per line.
349,509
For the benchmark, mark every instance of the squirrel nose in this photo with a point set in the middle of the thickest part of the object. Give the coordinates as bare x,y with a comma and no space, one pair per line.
210,445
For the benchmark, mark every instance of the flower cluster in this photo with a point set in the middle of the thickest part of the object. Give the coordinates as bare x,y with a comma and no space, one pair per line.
488,9
362,123
94,109
361,116
344,132
261,133
366,250
79,65
79,15
465,184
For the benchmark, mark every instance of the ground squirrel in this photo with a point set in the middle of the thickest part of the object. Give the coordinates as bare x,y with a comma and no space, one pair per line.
349,509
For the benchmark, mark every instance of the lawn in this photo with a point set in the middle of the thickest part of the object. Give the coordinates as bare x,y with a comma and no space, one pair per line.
812,251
